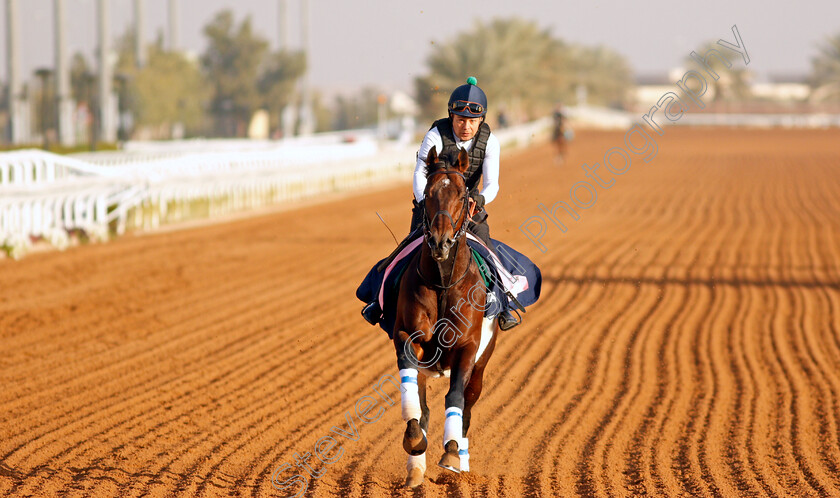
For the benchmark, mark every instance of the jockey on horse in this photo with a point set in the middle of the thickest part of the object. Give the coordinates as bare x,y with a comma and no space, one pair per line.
465,129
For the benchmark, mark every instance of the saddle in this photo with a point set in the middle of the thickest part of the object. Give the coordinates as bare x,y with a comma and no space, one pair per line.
510,277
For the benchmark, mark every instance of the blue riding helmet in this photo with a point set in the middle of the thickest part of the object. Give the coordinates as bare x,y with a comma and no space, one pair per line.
468,100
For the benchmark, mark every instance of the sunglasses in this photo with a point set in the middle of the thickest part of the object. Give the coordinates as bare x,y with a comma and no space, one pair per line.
465,105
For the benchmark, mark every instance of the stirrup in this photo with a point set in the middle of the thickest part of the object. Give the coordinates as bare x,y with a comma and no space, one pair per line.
507,321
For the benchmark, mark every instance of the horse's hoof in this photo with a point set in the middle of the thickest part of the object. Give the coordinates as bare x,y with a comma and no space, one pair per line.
414,441
451,462
414,479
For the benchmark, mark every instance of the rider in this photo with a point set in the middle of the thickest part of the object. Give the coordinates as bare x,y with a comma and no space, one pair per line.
464,128
559,117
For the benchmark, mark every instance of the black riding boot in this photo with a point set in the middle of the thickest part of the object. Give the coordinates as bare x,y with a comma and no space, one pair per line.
507,321
372,312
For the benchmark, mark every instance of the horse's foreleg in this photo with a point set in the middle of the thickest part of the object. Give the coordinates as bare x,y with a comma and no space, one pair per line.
453,426
424,408
409,354
471,394
414,440
414,410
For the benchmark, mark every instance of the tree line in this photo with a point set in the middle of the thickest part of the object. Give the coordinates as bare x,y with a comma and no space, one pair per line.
525,70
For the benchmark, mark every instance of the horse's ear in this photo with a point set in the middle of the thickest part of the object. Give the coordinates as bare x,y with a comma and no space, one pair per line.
432,161
432,157
463,161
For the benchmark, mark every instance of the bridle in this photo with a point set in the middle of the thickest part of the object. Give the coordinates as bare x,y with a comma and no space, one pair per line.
428,222
459,232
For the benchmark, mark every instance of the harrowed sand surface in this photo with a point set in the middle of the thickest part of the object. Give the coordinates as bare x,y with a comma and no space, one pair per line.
687,341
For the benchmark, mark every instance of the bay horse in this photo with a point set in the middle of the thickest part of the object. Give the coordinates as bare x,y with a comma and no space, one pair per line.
559,139
440,329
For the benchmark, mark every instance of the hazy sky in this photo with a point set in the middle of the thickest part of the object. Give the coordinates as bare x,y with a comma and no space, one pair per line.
386,42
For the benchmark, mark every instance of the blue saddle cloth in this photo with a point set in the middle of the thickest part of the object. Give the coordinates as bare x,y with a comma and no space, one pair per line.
509,273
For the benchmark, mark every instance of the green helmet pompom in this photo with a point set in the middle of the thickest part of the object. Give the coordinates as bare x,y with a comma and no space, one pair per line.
472,81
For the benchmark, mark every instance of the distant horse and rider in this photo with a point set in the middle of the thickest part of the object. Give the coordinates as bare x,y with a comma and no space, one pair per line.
561,135
446,290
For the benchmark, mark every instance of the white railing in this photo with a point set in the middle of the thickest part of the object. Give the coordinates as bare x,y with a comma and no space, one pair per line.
34,167
523,135
816,120
43,195
47,196
603,118
313,149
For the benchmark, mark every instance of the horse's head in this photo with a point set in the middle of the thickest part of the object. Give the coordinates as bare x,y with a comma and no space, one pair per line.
446,203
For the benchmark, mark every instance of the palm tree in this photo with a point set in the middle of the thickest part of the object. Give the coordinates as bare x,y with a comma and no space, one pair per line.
604,73
825,74
277,83
515,62
521,68
734,82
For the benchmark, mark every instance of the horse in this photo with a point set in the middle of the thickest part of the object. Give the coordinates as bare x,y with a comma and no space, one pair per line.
436,333
559,138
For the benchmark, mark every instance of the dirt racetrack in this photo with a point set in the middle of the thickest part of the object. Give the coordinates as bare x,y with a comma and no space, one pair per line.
687,341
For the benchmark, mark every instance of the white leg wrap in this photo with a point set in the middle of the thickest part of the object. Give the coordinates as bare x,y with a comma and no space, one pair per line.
409,394
416,462
464,453
453,426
